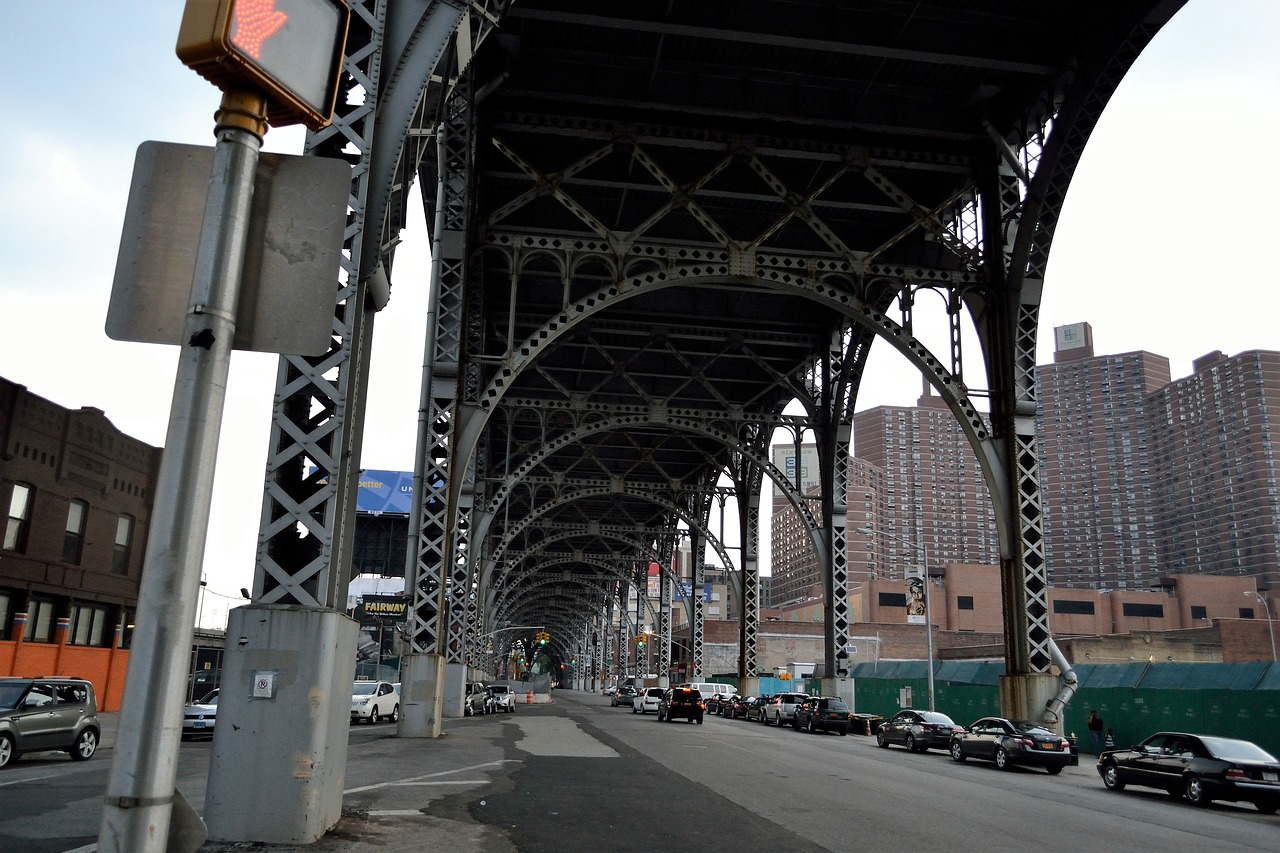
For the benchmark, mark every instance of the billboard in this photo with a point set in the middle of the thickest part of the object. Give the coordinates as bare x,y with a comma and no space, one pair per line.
385,492
917,607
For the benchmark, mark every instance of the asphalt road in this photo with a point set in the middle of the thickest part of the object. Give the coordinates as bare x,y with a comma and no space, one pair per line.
579,775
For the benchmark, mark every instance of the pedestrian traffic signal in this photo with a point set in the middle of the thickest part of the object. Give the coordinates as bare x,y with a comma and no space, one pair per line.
289,50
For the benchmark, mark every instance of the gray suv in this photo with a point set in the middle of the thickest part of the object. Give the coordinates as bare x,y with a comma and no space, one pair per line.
47,714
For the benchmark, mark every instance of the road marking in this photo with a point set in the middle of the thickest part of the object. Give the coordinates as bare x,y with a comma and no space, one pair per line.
413,779
396,813
557,736
31,779
441,782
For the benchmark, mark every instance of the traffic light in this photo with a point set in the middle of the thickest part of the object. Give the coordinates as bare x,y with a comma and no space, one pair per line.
289,50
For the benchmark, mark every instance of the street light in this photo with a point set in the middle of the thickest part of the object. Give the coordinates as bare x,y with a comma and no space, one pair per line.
928,599
1270,627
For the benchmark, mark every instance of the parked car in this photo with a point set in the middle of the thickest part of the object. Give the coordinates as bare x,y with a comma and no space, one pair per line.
917,730
624,695
713,701
782,707
683,702
374,700
738,707
502,698
1201,768
756,706
647,700
48,714
822,713
1012,742
198,718
476,700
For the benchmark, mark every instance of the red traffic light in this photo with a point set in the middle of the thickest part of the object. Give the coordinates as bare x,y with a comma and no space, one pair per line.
289,50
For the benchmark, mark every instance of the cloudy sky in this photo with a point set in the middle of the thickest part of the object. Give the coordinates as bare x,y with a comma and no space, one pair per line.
1165,242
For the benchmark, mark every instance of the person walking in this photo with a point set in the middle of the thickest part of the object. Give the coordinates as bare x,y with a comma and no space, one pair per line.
1096,729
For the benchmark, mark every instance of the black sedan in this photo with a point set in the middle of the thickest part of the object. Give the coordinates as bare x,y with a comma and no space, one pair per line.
755,708
1012,742
1199,767
624,695
737,707
822,714
917,730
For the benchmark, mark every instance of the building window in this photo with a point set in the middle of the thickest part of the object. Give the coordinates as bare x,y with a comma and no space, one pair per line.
88,625
1199,611
124,539
6,613
73,537
964,602
1246,613
40,621
1150,611
15,529
1067,605
893,599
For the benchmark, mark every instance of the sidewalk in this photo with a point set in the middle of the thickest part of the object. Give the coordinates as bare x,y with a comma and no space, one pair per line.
392,784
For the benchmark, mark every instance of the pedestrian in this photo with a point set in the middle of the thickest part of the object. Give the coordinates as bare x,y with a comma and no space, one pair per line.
1096,728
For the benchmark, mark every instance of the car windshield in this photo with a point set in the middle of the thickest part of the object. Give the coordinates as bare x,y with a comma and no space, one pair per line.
210,699
9,695
836,705
364,688
1236,750
499,688
935,717
654,691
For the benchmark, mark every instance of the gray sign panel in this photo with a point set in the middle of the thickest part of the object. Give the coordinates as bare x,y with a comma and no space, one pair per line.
290,278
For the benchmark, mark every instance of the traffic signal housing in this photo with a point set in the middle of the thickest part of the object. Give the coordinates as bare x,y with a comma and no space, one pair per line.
289,50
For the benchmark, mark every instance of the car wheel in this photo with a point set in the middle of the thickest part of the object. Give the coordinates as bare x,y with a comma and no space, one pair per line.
373,717
699,721
844,732
881,740
1111,777
86,745
6,750
910,743
1053,769
1194,791
1002,759
466,710
395,714
633,710
957,751
1268,806
811,728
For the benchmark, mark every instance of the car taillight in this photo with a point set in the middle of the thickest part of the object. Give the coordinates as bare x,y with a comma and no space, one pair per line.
1235,774
702,705
1025,741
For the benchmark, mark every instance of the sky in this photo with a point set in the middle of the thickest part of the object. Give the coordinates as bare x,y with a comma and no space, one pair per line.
1165,242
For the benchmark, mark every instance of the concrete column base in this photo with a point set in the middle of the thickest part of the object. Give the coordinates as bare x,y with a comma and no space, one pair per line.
284,710
749,686
1026,697
455,688
421,678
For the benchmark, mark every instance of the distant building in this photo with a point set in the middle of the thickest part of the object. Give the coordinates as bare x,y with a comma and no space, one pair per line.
1096,466
1217,467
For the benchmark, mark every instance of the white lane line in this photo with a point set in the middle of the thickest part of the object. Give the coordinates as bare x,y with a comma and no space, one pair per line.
429,776
440,782
31,779
396,813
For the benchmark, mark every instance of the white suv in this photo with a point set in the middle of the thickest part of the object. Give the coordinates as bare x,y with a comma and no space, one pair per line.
504,698
373,701
647,700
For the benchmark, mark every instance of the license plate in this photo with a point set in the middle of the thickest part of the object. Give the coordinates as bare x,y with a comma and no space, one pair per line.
1271,777
198,724
1048,746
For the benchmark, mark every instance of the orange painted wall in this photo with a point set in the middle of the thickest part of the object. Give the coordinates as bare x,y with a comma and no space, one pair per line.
104,668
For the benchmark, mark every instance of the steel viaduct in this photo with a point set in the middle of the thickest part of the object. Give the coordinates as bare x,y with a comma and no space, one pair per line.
655,225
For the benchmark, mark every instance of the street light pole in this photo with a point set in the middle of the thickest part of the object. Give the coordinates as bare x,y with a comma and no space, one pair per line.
928,600
1270,627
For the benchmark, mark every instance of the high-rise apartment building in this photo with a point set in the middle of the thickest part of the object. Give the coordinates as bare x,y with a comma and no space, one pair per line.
1096,476
932,492
1217,487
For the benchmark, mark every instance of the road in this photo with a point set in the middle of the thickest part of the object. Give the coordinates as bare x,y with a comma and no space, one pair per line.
579,775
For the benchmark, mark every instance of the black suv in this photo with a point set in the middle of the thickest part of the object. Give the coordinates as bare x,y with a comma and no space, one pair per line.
681,702
47,714
822,713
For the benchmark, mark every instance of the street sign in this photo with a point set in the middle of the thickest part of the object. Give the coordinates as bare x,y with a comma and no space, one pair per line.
289,50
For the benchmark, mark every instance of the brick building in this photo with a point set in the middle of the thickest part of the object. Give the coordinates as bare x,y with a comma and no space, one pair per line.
78,495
